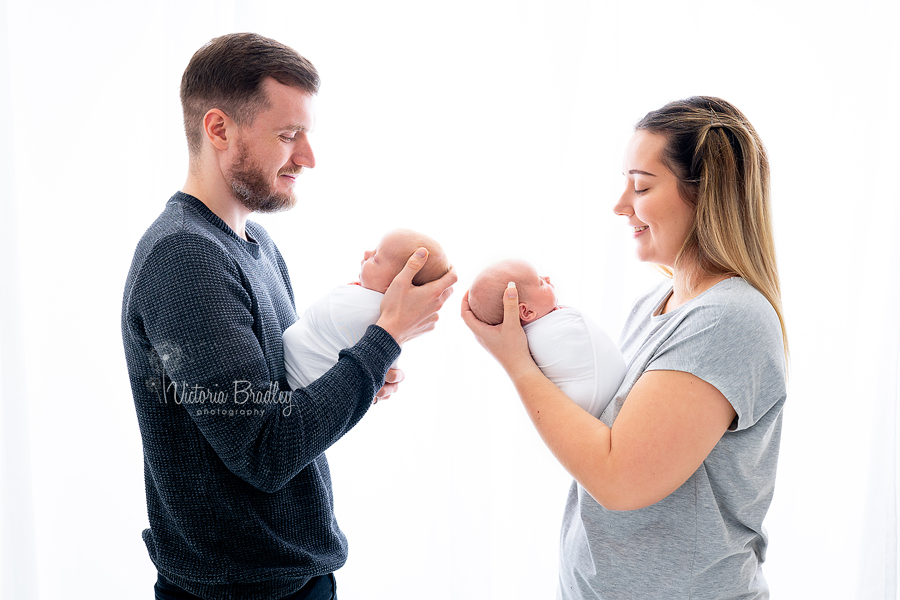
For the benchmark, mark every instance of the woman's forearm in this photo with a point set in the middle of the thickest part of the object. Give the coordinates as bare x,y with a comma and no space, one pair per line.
644,466
666,428
580,442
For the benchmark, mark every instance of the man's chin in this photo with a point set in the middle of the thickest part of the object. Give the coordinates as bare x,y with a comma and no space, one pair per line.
275,203
264,203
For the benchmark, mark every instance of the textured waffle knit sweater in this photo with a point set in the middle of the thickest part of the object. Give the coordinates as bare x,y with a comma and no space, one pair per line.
239,494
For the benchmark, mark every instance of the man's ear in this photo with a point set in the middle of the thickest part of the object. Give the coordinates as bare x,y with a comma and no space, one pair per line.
526,315
218,128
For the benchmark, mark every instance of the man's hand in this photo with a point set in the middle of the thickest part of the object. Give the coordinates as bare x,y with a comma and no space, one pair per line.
391,384
407,310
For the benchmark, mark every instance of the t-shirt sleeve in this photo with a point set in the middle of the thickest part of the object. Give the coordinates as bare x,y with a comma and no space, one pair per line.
736,346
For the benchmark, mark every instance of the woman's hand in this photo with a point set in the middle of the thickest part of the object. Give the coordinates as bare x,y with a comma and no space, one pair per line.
505,342
668,425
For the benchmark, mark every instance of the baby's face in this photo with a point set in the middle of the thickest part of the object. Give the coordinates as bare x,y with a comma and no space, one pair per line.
540,292
379,266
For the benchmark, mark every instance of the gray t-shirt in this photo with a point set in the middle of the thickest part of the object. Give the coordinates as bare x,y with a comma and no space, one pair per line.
705,540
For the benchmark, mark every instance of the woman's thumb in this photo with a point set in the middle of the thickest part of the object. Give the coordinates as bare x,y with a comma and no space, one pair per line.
511,303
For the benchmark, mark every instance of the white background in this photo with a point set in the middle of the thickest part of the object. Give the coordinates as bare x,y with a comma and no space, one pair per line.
498,128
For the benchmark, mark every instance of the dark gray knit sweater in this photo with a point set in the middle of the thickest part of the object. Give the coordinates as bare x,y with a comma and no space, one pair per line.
238,490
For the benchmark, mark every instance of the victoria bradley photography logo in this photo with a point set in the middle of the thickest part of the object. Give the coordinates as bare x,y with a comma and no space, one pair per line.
237,399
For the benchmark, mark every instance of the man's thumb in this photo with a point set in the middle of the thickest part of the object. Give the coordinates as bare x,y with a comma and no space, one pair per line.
416,262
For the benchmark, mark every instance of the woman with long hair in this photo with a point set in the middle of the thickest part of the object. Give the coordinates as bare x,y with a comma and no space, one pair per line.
673,481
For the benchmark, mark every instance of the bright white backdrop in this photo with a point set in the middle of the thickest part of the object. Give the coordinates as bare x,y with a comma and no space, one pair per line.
498,128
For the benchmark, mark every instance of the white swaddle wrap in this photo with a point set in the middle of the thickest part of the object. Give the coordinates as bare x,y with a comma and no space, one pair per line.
336,321
577,355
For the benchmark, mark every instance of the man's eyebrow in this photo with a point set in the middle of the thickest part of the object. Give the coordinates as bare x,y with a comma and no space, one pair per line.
639,172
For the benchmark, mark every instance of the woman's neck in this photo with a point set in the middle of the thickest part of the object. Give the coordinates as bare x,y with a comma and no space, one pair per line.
688,283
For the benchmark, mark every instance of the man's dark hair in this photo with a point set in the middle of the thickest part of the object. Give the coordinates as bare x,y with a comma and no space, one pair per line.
227,73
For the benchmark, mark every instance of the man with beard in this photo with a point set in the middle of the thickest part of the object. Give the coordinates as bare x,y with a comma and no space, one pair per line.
238,490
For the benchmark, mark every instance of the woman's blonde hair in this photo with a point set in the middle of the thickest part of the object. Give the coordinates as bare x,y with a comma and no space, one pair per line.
723,171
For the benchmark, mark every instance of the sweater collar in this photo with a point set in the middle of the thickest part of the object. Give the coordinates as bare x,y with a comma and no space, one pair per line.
250,244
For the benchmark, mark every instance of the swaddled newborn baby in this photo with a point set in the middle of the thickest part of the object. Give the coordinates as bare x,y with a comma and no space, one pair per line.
338,320
569,348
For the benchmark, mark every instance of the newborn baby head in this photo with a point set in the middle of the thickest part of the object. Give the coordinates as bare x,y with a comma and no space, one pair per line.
536,294
379,266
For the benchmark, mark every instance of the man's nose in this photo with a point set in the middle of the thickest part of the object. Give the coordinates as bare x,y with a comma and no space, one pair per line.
303,155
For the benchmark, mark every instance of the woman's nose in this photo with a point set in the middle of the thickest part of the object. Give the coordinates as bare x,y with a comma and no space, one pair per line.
623,206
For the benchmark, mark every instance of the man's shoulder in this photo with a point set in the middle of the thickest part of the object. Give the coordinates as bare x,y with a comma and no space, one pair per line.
177,218
178,235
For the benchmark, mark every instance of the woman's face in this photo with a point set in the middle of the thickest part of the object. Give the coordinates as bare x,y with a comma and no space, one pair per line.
659,217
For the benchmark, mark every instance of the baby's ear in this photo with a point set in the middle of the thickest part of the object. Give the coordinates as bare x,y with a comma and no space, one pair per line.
526,315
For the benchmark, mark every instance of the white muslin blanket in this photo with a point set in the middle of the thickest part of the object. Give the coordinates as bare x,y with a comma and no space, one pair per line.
336,321
577,355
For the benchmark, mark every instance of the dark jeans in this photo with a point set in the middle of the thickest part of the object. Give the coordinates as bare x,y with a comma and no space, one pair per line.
318,588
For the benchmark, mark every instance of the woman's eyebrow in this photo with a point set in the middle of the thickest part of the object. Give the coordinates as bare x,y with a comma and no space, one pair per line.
639,172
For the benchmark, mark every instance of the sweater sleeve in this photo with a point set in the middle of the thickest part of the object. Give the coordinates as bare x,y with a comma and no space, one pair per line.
200,314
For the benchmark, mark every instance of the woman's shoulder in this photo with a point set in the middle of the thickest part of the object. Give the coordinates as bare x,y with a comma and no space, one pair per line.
732,323
735,301
731,309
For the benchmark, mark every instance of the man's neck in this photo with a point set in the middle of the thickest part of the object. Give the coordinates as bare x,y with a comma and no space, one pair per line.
220,200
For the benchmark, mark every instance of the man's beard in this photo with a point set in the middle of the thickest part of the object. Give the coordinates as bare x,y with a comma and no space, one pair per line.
252,189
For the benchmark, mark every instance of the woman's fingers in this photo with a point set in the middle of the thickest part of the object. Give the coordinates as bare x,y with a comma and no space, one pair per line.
477,327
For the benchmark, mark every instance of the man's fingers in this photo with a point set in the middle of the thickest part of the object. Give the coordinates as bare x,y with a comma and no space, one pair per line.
391,385
511,303
394,376
386,390
448,278
413,265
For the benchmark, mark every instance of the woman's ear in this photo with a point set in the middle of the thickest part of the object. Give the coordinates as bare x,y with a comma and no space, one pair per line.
217,127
